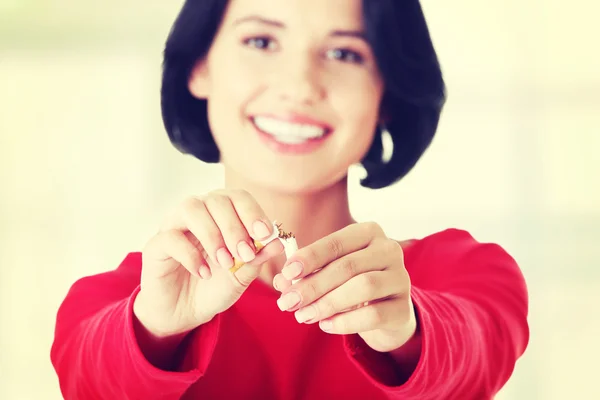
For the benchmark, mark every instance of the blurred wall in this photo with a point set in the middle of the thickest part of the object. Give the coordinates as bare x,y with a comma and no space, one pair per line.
87,173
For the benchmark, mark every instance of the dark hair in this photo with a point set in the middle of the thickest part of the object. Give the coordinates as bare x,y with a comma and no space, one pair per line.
398,34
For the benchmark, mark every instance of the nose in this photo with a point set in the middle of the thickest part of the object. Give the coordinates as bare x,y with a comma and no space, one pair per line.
300,82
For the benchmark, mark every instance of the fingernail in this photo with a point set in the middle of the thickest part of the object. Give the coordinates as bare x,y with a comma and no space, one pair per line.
292,271
224,258
326,325
204,272
288,301
245,251
305,314
261,230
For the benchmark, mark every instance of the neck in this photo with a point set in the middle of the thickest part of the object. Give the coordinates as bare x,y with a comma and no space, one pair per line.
309,216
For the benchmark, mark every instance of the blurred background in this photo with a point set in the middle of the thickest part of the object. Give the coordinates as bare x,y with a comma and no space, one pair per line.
87,172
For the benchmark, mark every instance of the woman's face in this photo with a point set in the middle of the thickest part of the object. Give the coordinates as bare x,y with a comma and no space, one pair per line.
293,91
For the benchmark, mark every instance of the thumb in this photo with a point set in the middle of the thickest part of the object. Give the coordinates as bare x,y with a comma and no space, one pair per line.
248,272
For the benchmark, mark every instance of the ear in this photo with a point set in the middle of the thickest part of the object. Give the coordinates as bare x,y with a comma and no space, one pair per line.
198,82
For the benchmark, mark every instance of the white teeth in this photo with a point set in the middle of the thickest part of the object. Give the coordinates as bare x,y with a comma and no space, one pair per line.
290,139
287,132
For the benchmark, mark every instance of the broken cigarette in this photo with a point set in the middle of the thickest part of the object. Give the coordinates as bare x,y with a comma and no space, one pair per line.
287,239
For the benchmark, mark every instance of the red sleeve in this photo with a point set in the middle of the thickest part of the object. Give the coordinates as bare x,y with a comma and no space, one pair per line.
95,352
472,304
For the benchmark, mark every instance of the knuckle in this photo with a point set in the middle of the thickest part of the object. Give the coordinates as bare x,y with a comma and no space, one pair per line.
403,283
214,239
324,308
216,199
170,238
375,316
309,291
233,229
310,256
190,204
405,315
391,246
335,247
240,194
216,192
369,285
348,268
154,242
246,207
373,228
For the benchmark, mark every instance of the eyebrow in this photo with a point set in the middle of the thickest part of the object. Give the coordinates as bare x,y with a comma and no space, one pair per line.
260,20
355,34
278,24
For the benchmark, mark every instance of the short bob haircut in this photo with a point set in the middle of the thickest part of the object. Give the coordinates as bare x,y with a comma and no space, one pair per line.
414,89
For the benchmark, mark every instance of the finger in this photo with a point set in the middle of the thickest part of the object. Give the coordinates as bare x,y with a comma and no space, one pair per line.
388,314
363,288
174,245
205,272
233,231
280,283
374,258
204,269
194,216
245,276
251,214
322,252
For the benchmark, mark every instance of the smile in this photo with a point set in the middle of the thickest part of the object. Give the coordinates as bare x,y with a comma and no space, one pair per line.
291,132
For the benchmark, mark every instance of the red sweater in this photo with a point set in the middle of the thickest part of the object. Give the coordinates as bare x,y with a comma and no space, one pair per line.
470,298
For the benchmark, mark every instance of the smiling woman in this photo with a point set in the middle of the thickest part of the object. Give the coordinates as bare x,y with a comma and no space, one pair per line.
278,62
287,95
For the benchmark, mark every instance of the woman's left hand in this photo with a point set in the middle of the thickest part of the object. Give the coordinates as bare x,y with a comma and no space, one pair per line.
353,281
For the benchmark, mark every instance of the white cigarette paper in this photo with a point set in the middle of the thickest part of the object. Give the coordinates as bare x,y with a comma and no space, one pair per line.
289,244
274,235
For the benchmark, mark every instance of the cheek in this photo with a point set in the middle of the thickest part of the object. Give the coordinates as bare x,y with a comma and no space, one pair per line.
358,105
356,94
233,87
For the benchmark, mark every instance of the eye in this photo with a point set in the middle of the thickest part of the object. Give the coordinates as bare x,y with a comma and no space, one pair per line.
346,55
261,43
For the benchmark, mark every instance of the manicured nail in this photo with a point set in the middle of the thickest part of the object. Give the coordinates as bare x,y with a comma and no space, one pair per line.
292,271
305,314
245,251
204,272
289,300
224,258
326,325
261,230
277,282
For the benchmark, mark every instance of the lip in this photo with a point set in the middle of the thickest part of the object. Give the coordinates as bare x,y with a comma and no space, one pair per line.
285,148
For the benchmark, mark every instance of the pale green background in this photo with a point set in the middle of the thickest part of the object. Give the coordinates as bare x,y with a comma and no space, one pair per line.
87,173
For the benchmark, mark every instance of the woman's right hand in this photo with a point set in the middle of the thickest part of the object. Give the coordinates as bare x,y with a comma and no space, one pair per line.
186,278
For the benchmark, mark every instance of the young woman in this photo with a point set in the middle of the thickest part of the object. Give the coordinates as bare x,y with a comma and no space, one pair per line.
287,95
